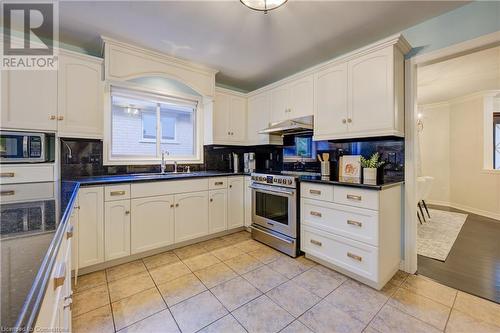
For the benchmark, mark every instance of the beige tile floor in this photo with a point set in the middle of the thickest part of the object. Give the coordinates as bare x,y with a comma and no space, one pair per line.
234,284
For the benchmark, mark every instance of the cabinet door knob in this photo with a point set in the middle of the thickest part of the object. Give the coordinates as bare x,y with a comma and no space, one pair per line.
60,118
228,133
349,120
69,233
230,186
127,212
344,121
52,117
177,205
211,200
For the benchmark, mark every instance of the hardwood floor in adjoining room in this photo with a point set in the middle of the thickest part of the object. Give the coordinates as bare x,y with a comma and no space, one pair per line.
473,264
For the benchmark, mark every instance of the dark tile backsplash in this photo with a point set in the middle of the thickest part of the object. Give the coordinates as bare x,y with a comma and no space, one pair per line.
87,156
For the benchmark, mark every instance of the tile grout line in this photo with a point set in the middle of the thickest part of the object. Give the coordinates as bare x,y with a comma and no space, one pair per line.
451,309
109,298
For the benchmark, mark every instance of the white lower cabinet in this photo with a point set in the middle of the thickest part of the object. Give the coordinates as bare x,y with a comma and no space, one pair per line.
116,229
356,231
217,211
191,215
236,202
248,201
90,226
152,223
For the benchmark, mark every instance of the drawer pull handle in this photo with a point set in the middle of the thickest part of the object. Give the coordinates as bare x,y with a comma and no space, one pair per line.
7,192
219,183
69,233
354,256
59,275
7,174
354,197
318,214
317,192
315,242
356,223
113,193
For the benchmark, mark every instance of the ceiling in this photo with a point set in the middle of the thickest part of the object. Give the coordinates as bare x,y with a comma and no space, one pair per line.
249,48
459,76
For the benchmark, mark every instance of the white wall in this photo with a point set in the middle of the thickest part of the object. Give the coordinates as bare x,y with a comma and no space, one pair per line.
452,151
435,149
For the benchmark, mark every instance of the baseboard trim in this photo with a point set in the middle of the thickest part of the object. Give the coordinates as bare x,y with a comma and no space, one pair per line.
491,215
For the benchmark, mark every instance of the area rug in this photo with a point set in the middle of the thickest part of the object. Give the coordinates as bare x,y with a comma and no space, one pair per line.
436,237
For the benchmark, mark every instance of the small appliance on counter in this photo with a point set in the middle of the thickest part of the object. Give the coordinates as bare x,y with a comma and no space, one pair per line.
26,147
234,162
249,162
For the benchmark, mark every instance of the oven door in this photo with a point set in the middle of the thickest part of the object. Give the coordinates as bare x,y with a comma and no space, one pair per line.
275,208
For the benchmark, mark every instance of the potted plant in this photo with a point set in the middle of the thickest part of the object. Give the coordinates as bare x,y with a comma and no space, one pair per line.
370,167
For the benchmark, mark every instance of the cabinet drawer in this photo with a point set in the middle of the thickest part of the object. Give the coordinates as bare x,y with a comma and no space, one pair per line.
168,187
23,192
355,257
317,191
217,182
116,192
355,223
14,174
357,197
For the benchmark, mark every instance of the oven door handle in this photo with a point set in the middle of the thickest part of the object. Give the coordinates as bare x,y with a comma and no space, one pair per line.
272,235
274,190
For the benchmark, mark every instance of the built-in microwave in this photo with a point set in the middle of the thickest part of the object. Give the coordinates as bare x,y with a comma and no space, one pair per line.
25,147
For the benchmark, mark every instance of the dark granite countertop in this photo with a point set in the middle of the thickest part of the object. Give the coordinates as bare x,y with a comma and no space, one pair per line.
147,177
31,233
386,183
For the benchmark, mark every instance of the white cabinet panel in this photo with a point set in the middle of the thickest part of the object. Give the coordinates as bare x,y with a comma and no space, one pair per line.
280,103
248,202
301,97
117,229
330,114
26,173
371,91
191,215
217,211
80,95
221,131
90,226
29,100
152,223
236,201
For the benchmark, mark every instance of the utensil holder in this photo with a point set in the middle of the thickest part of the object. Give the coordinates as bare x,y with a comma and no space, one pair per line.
325,168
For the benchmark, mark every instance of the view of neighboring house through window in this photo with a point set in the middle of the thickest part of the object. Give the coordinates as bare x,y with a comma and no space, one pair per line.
145,125
496,140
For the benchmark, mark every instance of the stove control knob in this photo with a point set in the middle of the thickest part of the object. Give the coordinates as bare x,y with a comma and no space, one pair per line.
275,180
290,182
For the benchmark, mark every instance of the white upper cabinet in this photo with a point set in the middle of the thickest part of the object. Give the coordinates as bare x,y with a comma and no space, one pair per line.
330,114
81,91
362,96
293,99
301,97
29,100
229,118
258,118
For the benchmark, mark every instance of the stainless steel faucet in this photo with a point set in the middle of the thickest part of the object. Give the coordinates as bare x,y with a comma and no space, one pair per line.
163,165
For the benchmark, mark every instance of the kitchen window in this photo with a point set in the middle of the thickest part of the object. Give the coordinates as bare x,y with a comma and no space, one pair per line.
144,125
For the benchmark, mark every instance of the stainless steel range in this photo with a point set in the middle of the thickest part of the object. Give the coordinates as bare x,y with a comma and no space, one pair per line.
275,211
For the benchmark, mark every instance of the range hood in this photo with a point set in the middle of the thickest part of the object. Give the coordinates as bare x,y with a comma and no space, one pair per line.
290,126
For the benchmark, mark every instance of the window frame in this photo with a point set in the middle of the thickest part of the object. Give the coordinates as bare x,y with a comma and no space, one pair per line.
491,105
159,96
495,122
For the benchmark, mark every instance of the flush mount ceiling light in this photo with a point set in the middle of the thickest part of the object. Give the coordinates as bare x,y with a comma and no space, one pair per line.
263,5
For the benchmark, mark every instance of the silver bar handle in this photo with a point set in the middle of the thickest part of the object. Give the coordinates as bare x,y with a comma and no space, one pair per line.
355,223
114,193
354,197
318,214
270,190
354,256
59,275
317,192
218,183
11,192
273,235
7,174
315,242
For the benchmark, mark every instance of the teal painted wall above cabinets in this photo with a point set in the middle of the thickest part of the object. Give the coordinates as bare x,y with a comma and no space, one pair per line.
464,23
